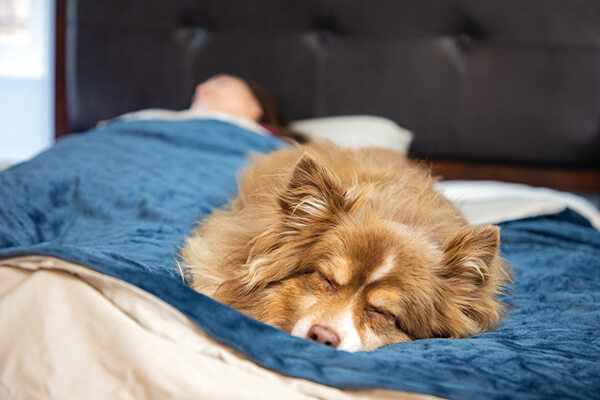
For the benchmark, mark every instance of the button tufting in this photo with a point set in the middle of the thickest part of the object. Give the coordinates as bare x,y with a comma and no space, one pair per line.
464,40
469,33
326,29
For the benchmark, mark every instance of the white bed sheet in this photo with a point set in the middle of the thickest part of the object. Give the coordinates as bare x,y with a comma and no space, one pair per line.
490,202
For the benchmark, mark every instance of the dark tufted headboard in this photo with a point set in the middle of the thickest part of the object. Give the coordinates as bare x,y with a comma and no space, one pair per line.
509,81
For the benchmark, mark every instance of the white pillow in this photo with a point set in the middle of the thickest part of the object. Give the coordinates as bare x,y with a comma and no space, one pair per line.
356,131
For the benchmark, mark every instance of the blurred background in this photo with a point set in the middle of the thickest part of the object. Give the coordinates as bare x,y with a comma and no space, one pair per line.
502,90
26,78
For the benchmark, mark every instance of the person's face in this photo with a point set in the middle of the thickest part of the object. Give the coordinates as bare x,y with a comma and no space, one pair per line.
228,94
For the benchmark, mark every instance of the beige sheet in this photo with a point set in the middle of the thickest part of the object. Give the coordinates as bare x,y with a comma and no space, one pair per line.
69,332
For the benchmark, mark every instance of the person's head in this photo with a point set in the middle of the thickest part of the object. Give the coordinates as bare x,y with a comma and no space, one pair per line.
228,94
243,98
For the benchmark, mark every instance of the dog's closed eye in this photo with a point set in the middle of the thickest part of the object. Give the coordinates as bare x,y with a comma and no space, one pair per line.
374,312
293,276
331,286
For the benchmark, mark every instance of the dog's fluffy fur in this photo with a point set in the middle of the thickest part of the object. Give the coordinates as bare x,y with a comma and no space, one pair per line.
351,248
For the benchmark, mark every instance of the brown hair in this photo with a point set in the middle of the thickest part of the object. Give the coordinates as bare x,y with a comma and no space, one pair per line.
272,116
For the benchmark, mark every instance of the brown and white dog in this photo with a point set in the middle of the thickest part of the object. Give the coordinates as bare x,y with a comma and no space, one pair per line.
353,249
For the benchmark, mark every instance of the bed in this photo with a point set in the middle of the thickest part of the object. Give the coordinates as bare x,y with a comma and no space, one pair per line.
93,303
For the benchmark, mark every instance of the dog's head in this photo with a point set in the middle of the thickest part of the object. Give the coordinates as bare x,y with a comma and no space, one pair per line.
334,271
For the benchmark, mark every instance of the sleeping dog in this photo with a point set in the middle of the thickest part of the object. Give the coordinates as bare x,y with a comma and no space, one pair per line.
353,249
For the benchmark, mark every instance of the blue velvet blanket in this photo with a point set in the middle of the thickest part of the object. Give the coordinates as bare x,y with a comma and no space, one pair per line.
121,199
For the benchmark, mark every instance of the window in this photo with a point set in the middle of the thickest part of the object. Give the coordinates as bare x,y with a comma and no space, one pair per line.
14,20
26,78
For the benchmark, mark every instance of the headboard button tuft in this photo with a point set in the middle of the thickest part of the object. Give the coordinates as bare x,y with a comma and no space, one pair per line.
469,33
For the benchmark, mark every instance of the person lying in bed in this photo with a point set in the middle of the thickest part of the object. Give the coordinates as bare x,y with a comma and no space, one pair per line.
246,99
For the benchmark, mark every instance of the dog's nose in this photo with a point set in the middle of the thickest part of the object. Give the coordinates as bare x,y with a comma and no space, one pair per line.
324,335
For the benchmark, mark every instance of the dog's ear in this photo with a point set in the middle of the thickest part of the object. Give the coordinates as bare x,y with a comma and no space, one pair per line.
313,194
475,274
469,253
310,202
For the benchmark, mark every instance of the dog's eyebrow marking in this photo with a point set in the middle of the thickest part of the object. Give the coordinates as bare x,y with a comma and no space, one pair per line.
382,270
379,302
383,298
341,272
